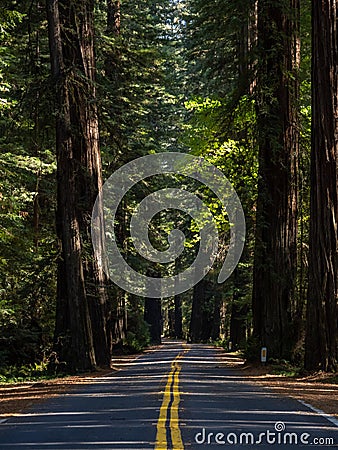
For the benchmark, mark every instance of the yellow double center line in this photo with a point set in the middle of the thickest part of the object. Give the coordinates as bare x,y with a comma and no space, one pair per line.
169,410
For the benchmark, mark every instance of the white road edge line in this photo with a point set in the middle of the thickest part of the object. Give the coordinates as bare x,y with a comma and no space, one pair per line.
320,412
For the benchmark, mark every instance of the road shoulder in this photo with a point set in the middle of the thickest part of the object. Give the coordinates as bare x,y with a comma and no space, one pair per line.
319,390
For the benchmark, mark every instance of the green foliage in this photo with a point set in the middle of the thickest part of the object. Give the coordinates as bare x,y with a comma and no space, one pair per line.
252,350
138,335
19,344
284,368
27,188
224,343
228,142
138,106
24,373
27,247
211,45
137,340
168,81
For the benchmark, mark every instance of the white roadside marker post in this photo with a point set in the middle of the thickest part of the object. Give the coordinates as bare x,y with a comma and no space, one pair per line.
264,354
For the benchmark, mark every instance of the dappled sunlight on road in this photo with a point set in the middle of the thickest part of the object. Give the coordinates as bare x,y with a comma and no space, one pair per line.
121,409
219,398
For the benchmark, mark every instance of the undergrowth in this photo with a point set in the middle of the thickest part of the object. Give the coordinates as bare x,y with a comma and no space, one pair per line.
28,372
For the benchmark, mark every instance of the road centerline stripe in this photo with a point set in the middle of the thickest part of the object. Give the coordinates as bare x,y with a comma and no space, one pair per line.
161,438
174,418
169,417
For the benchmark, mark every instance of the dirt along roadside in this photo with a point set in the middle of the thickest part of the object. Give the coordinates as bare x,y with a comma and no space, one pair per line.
320,390
18,397
15,398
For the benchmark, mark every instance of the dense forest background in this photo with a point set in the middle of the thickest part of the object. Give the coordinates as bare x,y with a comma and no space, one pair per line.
87,86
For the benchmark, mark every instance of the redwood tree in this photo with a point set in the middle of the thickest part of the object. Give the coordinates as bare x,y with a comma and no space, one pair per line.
278,140
152,316
81,298
322,311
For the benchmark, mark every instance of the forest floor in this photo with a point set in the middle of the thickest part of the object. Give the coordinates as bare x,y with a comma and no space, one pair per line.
320,390
17,397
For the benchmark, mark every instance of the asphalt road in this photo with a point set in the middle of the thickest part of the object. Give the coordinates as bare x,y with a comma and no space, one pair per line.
179,396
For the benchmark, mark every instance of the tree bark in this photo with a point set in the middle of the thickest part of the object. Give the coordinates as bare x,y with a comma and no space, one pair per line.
321,351
114,17
278,138
153,317
178,317
81,299
196,321
205,314
240,307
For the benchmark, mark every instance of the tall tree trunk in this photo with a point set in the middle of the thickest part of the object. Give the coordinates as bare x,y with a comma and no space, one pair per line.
80,321
153,317
240,306
246,44
205,313
114,17
278,133
197,316
321,350
171,322
178,317
215,328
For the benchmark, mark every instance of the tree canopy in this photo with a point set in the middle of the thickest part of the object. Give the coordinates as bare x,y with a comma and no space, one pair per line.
88,86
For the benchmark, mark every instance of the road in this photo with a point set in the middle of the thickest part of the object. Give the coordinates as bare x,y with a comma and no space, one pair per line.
179,396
